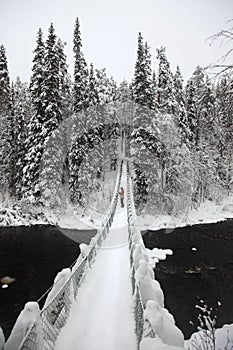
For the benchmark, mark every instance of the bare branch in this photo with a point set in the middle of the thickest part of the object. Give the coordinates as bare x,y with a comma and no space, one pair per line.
226,36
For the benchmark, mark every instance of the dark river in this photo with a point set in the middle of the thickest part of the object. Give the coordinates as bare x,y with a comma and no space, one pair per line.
205,272
34,255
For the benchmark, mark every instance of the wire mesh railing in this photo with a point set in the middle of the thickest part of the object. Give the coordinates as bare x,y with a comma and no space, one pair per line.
55,314
134,237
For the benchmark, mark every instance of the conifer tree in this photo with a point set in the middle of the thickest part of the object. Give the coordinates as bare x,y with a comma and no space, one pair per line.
80,72
190,104
36,131
21,105
142,121
154,92
51,163
142,85
165,94
6,130
51,83
148,88
93,94
180,110
45,86
140,74
36,82
224,97
198,81
64,82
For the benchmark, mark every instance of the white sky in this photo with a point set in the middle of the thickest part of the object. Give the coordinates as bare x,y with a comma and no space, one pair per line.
110,30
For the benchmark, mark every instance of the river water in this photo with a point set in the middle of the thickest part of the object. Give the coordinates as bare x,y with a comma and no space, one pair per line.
201,268
33,256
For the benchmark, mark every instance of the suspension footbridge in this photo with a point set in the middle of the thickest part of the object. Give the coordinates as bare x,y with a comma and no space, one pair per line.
108,299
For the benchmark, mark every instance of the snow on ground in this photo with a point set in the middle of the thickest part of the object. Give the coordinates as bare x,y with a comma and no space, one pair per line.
208,212
74,221
102,317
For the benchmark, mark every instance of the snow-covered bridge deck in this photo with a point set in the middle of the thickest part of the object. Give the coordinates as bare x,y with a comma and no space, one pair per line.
103,316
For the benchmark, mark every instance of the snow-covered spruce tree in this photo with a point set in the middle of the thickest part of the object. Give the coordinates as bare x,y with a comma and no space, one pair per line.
106,91
142,124
81,102
154,92
198,78
177,170
36,132
47,102
224,93
66,93
21,105
65,85
190,104
51,163
125,111
51,83
80,98
93,94
165,87
180,110
6,130
203,126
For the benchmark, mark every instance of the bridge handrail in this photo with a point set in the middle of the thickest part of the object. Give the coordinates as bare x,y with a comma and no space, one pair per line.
55,314
135,237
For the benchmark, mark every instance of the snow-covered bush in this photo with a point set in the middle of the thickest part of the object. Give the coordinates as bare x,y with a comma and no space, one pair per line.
156,344
11,217
162,324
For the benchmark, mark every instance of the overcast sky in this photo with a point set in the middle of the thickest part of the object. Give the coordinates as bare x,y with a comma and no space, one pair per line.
110,29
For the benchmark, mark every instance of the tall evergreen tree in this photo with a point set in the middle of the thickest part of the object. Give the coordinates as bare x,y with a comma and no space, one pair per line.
80,72
51,83
142,82
165,94
143,121
21,104
36,82
149,89
180,110
65,84
6,130
45,86
36,133
224,93
190,104
198,81
93,94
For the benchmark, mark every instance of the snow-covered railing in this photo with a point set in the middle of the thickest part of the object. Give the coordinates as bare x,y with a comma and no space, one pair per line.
155,326
133,238
65,289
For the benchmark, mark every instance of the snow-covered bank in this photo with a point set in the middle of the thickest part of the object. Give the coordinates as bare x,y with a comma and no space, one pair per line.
208,212
70,220
223,339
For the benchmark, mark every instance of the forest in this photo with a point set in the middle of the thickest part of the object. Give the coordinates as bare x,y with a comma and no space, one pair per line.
57,130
